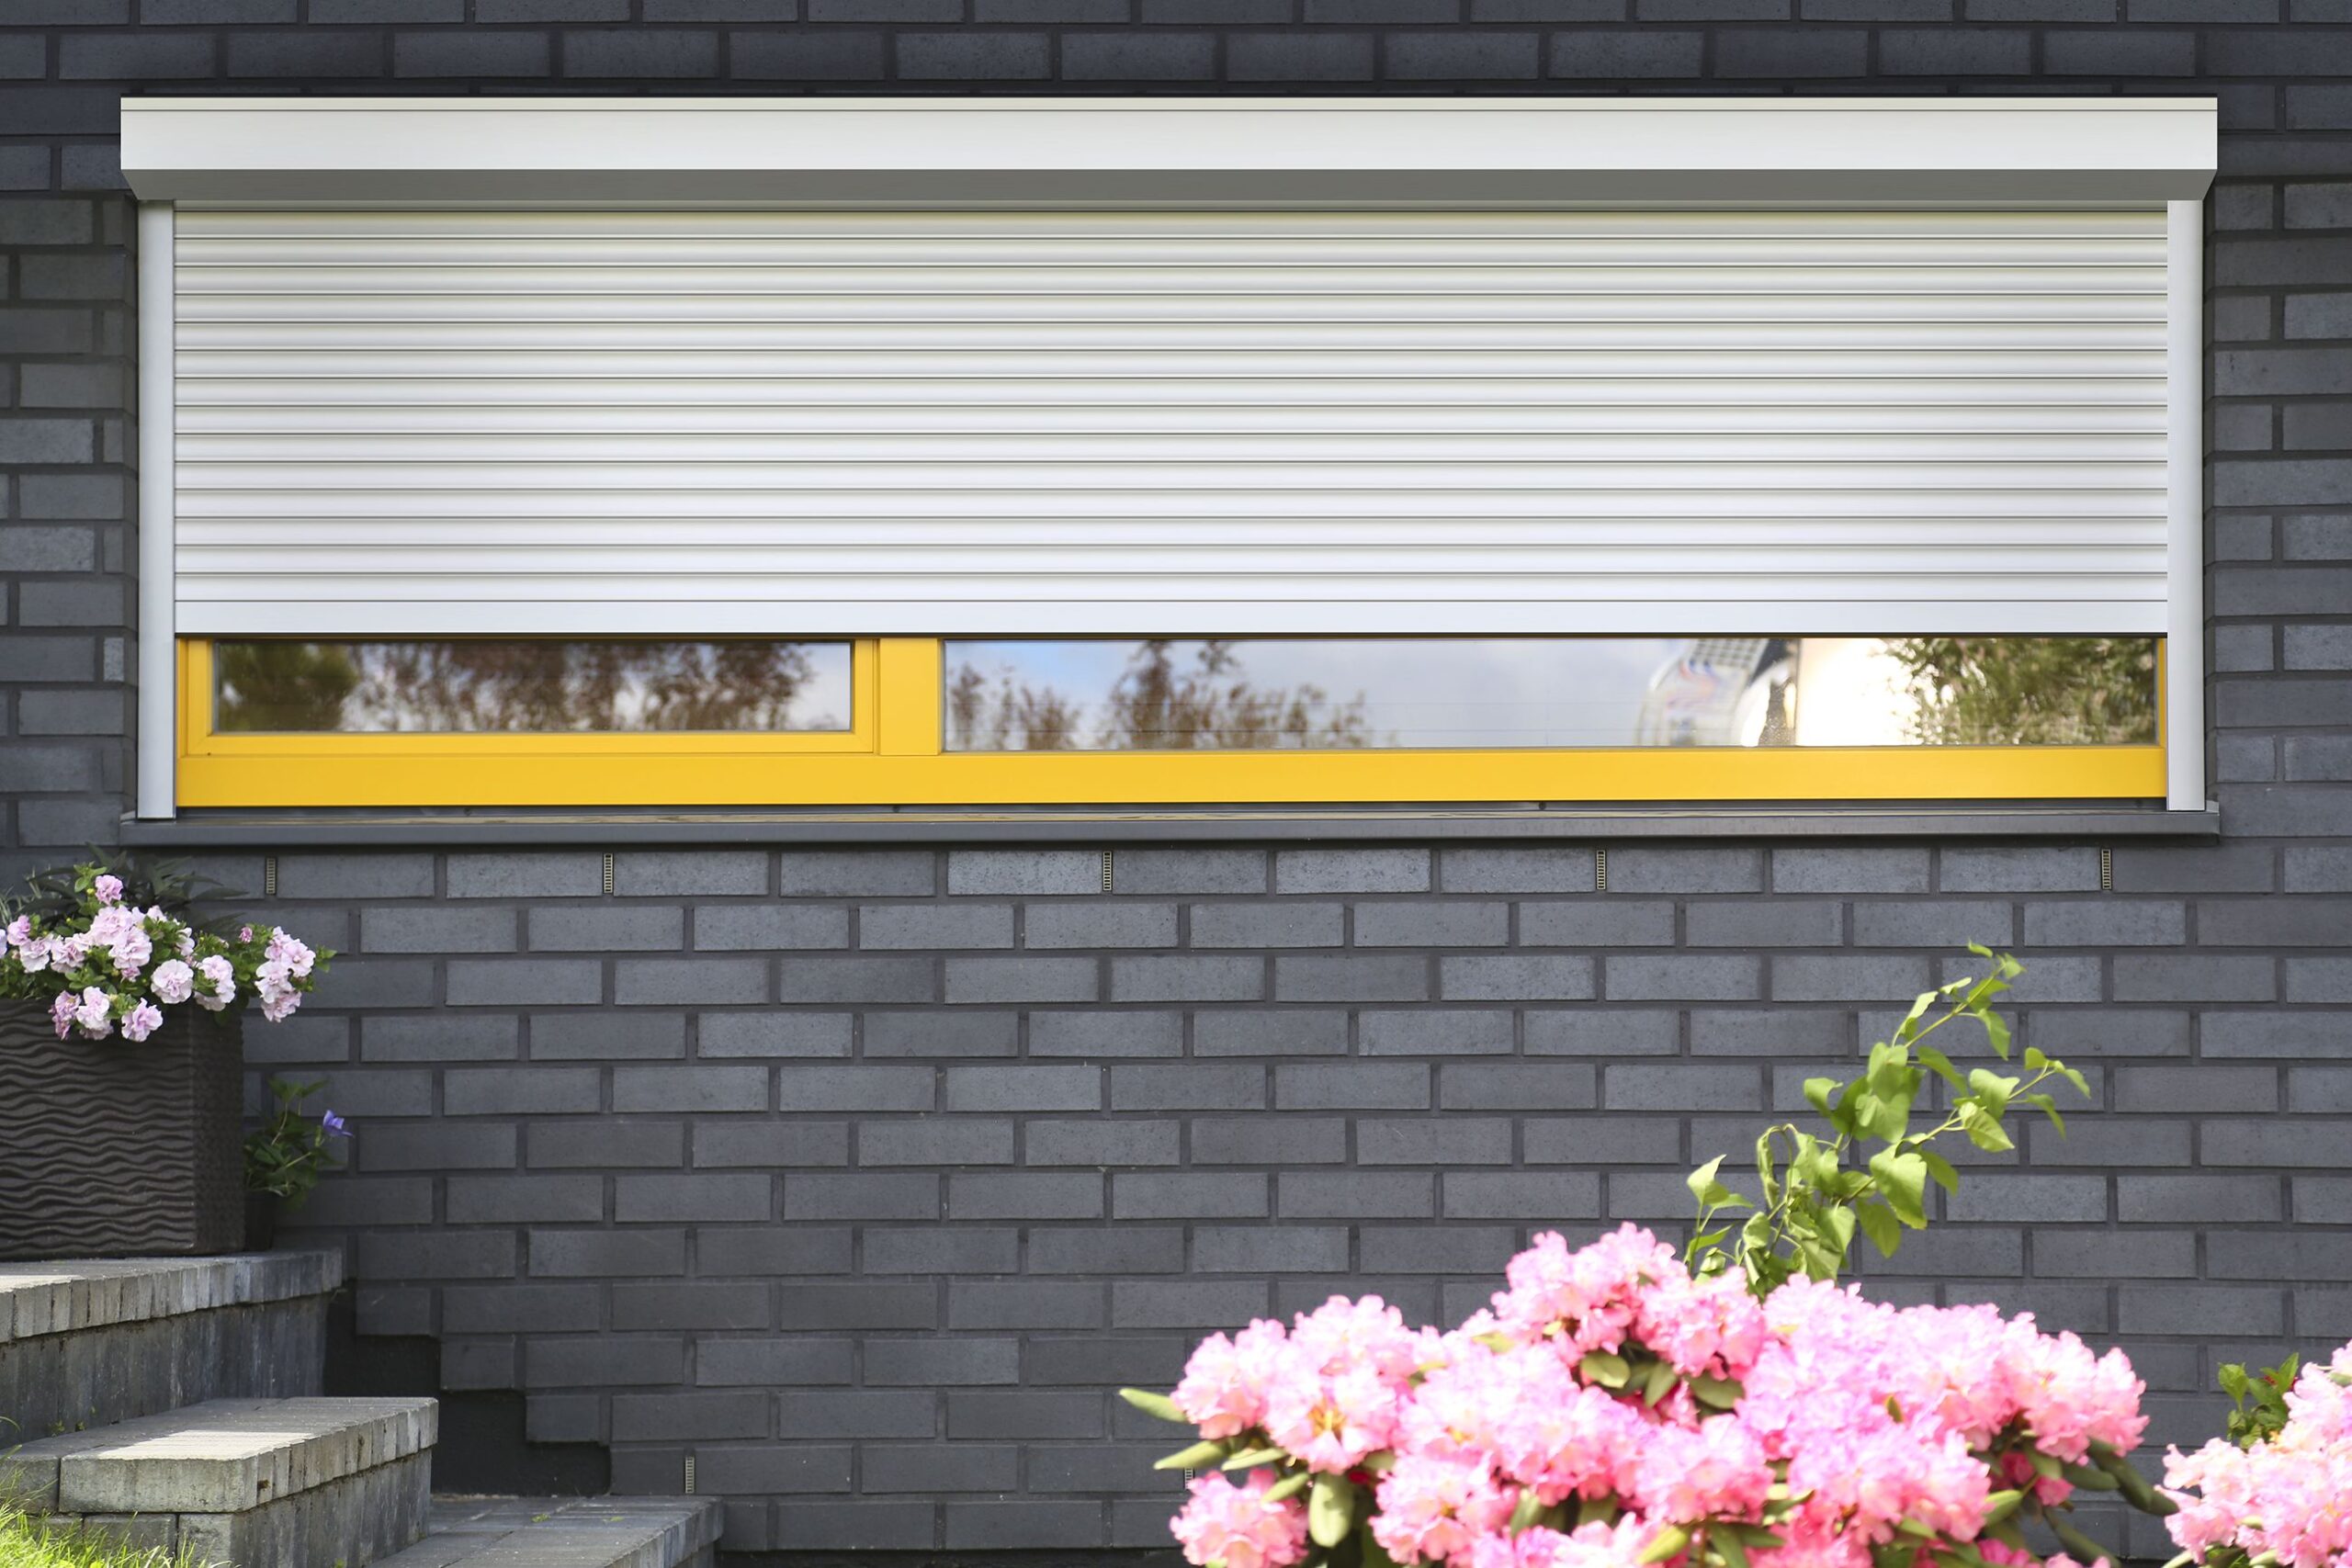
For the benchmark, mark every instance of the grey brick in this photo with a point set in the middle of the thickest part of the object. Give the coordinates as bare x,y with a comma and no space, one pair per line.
1187,1303
436,1255
1815,977
1692,977
1026,1195
1025,980
690,1089
134,57
704,1196
1259,1249
1453,924
2035,869
1283,1140
2200,1309
1643,869
641,52
653,982
537,1089
935,1033
2273,922
1188,871
1296,57
1370,1085
1189,1086
808,57
605,1253
1352,871
559,928
767,1362
1097,1032
438,1037
1597,922
2121,1255
825,1195
473,52
775,1468
966,57
935,1141
1460,56
1517,870
1516,976
1436,1032
1356,1194
297,54
1175,978
859,1413
1783,922
1023,873
1432,1140
931,1364
1288,1032
895,979
1681,1086
951,1467
606,1035
1937,52
526,876
1030,1303
942,1249
1599,1032
460,1145
1099,925
355,876
1529,1085
1123,1249
2199,1199
655,1417
1944,923
1341,977
770,1144
935,925
2206,1087
2194,978
855,1089
1099,1142
509,1306
1146,57
1547,1196
526,1199
1187,1195
868,873
761,1033
2296,1144
1267,925
607,1144
1024,1088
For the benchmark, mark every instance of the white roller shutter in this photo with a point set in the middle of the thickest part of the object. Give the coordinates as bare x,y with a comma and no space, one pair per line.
1670,422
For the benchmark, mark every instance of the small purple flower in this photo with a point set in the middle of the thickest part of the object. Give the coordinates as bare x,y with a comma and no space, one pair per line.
109,890
333,1126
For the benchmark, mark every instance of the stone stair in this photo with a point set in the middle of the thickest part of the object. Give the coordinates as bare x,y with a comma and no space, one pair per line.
176,1401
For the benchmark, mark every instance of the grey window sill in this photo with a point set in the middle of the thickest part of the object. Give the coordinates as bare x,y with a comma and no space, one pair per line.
275,830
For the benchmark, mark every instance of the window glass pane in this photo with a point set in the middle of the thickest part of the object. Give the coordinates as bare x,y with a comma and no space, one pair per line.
531,687
1355,692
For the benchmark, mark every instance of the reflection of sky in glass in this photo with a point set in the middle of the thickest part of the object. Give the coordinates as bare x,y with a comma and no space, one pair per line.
1342,692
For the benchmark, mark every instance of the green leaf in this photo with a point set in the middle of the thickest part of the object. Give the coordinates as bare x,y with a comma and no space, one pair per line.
2088,1478
1992,1089
1194,1458
1607,1370
1331,1510
1727,1546
2234,1380
1903,1178
1660,1378
2001,1505
1288,1487
1942,1066
2082,1085
2082,1547
1817,1092
1372,1554
2048,1108
1668,1542
1707,1190
1256,1457
1982,1130
1158,1405
1530,1509
1880,1224
1714,1392
1940,1168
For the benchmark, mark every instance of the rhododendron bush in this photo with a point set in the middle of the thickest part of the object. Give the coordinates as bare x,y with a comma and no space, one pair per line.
1618,1407
2285,1497
1611,1409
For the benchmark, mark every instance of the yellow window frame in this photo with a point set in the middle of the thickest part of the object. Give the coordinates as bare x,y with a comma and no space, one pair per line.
894,755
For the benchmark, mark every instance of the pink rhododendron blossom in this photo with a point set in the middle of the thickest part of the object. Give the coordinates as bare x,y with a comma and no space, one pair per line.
1435,1507
1239,1527
2289,1498
1850,1426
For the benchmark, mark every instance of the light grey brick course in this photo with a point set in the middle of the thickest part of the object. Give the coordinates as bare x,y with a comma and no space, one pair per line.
1436,1032
737,928
1352,871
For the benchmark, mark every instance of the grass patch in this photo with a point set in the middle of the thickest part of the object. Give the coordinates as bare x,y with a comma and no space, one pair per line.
28,1541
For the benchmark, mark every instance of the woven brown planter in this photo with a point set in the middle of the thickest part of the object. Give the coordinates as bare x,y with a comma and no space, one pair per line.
109,1149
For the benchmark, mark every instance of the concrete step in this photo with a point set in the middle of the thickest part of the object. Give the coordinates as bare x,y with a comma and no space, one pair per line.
566,1532
85,1342
256,1483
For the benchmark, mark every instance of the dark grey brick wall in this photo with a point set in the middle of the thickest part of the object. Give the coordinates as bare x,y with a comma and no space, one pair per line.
863,1175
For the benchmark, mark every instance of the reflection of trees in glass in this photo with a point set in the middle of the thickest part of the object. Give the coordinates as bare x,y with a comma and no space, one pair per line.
2057,691
1158,703
521,686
